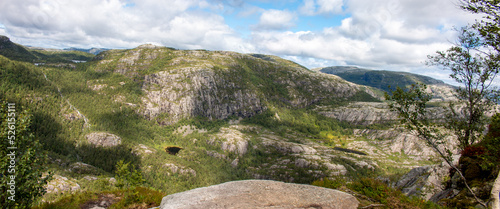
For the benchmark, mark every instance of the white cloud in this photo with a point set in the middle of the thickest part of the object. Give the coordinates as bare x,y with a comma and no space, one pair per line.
380,34
321,7
377,34
330,6
309,7
119,24
275,20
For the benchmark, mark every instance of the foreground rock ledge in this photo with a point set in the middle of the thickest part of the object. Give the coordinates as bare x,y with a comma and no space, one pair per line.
259,194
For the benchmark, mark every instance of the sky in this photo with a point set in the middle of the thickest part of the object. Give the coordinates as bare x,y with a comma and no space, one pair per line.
375,34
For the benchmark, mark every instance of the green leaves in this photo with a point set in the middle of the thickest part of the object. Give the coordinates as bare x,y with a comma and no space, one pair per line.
474,65
411,106
127,176
22,167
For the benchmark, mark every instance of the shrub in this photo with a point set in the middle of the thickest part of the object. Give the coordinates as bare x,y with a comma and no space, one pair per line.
473,151
22,161
374,192
127,176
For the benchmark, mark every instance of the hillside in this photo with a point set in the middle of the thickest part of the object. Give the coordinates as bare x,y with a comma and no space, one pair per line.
194,118
18,52
387,81
178,84
15,51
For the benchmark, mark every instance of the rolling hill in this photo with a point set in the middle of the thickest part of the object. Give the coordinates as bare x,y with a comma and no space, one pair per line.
387,81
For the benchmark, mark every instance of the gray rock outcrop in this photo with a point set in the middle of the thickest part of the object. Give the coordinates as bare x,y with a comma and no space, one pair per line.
362,113
103,139
196,91
82,168
61,184
425,181
177,169
259,194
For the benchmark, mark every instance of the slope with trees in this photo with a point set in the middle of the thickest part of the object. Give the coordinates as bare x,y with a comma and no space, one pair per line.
473,61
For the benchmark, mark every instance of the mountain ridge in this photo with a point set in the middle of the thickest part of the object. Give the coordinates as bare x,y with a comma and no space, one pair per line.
218,84
387,81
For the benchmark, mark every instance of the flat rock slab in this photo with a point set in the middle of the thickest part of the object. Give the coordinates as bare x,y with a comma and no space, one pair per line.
259,194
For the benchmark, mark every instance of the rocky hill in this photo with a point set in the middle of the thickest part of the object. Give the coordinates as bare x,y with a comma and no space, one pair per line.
177,84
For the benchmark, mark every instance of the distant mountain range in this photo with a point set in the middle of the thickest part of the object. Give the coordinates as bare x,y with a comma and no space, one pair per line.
387,81
94,51
380,79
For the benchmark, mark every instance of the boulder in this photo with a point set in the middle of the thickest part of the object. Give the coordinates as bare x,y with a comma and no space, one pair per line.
177,169
103,139
259,194
61,184
426,182
82,168
235,141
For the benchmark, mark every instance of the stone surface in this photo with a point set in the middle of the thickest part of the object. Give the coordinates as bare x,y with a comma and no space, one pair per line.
235,141
143,150
395,140
260,194
103,139
61,184
362,113
82,168
426,182
177,169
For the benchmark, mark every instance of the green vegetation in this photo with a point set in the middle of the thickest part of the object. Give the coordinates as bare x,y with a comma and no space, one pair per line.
139,197
374,193
480,164
473,64
380,79
20,53
23,161
127,176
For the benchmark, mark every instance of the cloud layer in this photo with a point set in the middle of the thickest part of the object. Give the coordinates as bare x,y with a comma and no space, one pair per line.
381,34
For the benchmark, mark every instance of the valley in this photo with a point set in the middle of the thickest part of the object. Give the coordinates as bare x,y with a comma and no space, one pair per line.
228,116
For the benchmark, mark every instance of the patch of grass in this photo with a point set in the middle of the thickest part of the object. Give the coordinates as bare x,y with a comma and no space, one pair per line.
137,197
371,191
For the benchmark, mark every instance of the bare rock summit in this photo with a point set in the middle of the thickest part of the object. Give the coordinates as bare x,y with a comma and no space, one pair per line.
260,194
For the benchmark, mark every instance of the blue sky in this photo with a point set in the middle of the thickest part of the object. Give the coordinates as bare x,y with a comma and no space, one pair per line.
376,34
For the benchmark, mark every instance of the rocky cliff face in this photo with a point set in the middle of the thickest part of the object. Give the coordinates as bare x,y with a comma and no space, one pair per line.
179,84
197,91
362,113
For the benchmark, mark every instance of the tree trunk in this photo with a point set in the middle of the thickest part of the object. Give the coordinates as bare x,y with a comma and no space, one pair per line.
495,194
